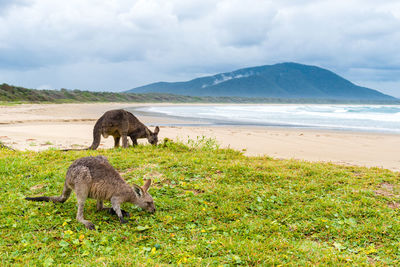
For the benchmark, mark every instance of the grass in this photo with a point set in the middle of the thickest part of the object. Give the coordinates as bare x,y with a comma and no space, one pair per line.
214,207
3,146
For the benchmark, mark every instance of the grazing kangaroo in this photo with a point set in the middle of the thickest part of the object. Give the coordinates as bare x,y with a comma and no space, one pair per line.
121,123
94,177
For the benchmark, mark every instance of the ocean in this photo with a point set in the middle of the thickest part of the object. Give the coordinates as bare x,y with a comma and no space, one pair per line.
368,118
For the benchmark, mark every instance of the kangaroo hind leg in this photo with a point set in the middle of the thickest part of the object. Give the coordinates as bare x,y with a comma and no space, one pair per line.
79,214
82,187
124,140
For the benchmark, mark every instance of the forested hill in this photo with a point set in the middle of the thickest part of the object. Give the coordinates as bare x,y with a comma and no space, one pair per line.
285,80
15,94
10,93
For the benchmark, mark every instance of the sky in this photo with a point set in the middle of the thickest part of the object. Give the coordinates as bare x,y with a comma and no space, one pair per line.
117,45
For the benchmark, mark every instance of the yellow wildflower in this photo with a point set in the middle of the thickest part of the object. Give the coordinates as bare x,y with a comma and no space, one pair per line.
81,237
68,232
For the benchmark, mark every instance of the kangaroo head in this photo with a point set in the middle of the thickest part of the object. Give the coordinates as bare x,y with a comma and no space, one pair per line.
153,137
143,198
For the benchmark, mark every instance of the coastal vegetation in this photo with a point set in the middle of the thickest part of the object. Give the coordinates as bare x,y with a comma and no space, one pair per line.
10,94
214,206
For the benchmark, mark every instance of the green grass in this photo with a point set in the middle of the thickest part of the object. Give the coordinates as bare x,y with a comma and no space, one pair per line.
214,207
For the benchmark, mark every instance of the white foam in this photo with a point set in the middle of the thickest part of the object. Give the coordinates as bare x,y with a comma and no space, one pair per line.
376,118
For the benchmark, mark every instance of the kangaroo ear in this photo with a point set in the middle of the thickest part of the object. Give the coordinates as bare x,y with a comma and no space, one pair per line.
138,190
156,130
146,185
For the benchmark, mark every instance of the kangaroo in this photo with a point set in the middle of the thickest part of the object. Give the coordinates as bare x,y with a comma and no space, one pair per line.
94,177
121,123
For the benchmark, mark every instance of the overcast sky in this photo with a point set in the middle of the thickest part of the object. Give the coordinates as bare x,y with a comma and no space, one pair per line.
118,44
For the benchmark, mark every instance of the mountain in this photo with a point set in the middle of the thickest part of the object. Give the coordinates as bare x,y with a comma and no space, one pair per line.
284,80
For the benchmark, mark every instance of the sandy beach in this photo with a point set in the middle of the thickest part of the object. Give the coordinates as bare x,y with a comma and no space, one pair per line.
42,126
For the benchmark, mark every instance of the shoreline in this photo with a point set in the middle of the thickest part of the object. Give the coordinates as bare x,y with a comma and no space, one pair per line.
193,120
42,126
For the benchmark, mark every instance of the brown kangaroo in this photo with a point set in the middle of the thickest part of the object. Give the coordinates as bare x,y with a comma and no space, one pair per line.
94,177
121,123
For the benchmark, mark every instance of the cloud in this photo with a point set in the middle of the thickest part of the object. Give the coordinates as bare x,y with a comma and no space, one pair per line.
5,4
121,44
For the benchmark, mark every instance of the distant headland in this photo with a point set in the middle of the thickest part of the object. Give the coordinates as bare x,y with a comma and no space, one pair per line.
284,80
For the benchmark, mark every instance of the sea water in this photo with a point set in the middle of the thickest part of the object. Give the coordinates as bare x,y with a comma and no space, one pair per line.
370,118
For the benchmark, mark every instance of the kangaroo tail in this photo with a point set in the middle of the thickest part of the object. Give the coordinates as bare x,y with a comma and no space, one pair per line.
96,138
64,196
96,134
75,149
46,199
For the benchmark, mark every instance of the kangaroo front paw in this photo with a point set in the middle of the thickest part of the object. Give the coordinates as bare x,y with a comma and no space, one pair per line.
90,226
111,211
123,221
125,213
